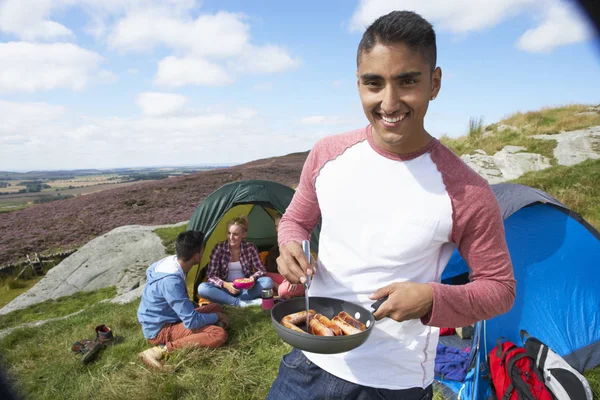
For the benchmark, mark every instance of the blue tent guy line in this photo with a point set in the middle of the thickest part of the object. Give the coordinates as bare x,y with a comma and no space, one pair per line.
556,259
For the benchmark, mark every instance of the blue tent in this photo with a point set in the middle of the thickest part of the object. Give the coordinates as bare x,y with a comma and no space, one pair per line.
556,261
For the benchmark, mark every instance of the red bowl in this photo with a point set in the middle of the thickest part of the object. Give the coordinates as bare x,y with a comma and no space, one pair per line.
243,283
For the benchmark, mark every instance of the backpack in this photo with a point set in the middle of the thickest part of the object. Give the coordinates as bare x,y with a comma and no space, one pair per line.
565,382
514,374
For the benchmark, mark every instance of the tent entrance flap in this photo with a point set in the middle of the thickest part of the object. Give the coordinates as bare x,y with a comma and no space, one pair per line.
261,232
258,200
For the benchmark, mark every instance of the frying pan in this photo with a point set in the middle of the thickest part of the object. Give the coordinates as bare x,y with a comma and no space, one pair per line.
328,307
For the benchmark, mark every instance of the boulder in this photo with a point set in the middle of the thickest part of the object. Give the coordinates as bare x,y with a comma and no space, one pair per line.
575,146
509,163
118,258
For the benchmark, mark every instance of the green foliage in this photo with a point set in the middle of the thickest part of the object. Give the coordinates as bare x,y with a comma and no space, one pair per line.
475,127
577,186
169,235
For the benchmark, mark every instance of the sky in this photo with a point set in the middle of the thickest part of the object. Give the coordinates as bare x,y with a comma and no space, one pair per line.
134,83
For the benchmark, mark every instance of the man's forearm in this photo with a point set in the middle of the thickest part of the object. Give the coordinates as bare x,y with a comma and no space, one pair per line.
462,305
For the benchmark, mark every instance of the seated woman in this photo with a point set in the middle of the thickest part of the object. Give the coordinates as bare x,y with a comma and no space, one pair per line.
284,289
232,259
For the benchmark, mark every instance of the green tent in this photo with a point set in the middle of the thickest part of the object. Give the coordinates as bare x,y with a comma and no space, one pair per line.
259,200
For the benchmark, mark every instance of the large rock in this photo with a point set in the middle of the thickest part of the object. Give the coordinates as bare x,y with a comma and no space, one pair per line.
509,163
575,146
513,163
484,165
118,258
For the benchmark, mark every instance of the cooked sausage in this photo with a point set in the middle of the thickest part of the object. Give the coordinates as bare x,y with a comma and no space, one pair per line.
352,321
317,328
299,317
291,326
327,322
345,327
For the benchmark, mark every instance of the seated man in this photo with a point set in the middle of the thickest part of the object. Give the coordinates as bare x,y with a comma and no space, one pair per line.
169,320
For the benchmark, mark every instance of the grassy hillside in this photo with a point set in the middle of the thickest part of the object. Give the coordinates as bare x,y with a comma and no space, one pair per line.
518,129
578,186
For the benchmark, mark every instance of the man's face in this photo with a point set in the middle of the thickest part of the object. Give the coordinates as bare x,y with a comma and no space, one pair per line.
395,85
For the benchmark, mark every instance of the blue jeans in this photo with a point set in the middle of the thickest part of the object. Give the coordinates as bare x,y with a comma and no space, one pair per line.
222,296
300,379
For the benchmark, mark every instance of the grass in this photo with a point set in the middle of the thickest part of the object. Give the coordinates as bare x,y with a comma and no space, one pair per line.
11,288
553,120
55,308
518,129
578,187
40,364
168,236
15,206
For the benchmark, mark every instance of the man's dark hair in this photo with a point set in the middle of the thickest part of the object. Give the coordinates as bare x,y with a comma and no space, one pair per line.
400,27
188,244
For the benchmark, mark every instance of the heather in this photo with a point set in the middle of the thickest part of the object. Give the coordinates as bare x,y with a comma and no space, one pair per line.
70,223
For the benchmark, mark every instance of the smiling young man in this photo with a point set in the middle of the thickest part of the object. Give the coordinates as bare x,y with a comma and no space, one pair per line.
394,204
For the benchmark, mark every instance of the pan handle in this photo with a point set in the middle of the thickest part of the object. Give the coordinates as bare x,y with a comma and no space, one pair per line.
375,306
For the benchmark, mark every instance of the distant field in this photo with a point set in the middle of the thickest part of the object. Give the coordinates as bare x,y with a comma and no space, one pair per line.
21,198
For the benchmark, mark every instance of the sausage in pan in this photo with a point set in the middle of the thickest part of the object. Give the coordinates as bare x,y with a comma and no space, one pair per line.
291,326
298,318
327,322
345,327
352,321
317,328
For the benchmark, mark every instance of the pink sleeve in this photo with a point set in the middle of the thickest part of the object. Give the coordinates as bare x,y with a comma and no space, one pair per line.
303,213
478,231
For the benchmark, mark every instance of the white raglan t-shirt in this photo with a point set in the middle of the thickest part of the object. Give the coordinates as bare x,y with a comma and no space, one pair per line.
386,219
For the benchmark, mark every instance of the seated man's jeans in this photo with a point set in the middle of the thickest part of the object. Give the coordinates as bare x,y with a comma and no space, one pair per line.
300,379
222,296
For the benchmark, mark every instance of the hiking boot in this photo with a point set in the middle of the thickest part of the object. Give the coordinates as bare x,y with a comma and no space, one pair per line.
91,354
153,356
250,303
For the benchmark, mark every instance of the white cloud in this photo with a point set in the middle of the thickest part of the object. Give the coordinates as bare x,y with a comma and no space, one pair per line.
37,66
53,138
177,72
210,50
220,35
157,104
454,16
323,120
267,59
561,26
28,20
19,119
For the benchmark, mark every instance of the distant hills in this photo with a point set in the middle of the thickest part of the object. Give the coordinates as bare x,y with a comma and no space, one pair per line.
70,174
70,223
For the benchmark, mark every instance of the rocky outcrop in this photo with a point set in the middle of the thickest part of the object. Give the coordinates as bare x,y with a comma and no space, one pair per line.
575,146
118,258
509,163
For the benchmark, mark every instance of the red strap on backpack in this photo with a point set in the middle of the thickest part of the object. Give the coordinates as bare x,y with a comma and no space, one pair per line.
514,375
